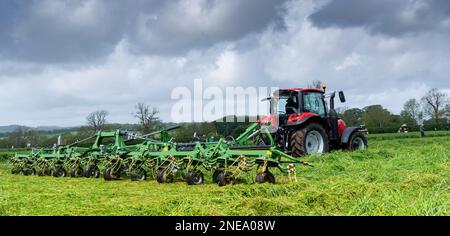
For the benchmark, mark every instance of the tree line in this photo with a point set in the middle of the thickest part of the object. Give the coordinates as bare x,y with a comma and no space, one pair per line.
432,111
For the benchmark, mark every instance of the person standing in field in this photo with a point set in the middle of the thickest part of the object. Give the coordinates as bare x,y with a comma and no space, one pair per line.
422,131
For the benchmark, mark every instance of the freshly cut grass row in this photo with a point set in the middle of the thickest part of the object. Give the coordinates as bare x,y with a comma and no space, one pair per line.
395,177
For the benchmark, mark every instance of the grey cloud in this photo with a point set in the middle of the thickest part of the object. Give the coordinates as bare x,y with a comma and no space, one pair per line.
395,18
78,31
175,28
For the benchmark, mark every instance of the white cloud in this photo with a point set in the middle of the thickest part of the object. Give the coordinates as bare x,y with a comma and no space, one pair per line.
371,69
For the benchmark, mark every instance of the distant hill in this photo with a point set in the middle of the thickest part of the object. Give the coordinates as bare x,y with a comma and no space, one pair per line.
11,128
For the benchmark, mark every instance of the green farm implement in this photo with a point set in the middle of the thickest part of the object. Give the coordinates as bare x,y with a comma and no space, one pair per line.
299,124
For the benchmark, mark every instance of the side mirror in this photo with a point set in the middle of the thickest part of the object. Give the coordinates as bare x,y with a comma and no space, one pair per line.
341,96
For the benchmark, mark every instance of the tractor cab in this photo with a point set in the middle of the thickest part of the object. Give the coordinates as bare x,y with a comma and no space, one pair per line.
301,123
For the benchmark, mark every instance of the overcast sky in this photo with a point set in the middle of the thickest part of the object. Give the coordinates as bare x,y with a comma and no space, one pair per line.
60,60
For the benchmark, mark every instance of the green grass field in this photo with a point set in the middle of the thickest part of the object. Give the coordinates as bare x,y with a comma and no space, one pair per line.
401,176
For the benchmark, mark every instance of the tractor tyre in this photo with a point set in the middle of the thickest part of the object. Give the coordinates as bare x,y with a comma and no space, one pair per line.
92,172
194,178
164,176
225,178
357,141
308,140
59,172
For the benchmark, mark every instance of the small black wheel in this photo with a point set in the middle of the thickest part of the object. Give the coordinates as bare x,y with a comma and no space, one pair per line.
92,172
265,177
59,172
164,176
139,175
76,172
47,172
107,174
215,175
225,178
40,172
15,171
28,172
194,177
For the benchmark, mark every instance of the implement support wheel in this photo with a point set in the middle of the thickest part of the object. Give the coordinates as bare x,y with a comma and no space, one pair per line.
59,172
194,177
138,175
92,172
164,176
225,178
265,177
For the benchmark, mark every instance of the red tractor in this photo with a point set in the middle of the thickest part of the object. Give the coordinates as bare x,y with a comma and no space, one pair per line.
301,124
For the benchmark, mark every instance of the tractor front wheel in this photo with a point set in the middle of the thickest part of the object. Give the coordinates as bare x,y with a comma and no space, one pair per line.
357,141
308,140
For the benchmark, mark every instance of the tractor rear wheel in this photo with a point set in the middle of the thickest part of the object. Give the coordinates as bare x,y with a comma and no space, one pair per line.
194,177
357,141
265,177
164,176
308,140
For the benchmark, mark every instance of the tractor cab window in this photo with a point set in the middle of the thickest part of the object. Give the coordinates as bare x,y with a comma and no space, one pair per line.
286,104
313,102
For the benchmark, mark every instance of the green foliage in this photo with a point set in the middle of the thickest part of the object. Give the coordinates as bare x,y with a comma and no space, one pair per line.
394,177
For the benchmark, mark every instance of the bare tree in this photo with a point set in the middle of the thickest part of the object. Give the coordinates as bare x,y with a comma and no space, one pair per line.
97,119
315,84
147,117
433,104
412,111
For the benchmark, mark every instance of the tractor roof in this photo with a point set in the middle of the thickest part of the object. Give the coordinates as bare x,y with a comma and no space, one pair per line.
301,90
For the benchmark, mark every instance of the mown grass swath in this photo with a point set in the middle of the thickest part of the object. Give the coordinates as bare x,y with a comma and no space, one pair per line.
394,177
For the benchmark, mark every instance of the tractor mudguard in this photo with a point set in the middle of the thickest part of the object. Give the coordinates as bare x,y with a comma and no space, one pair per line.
347,133
306,119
